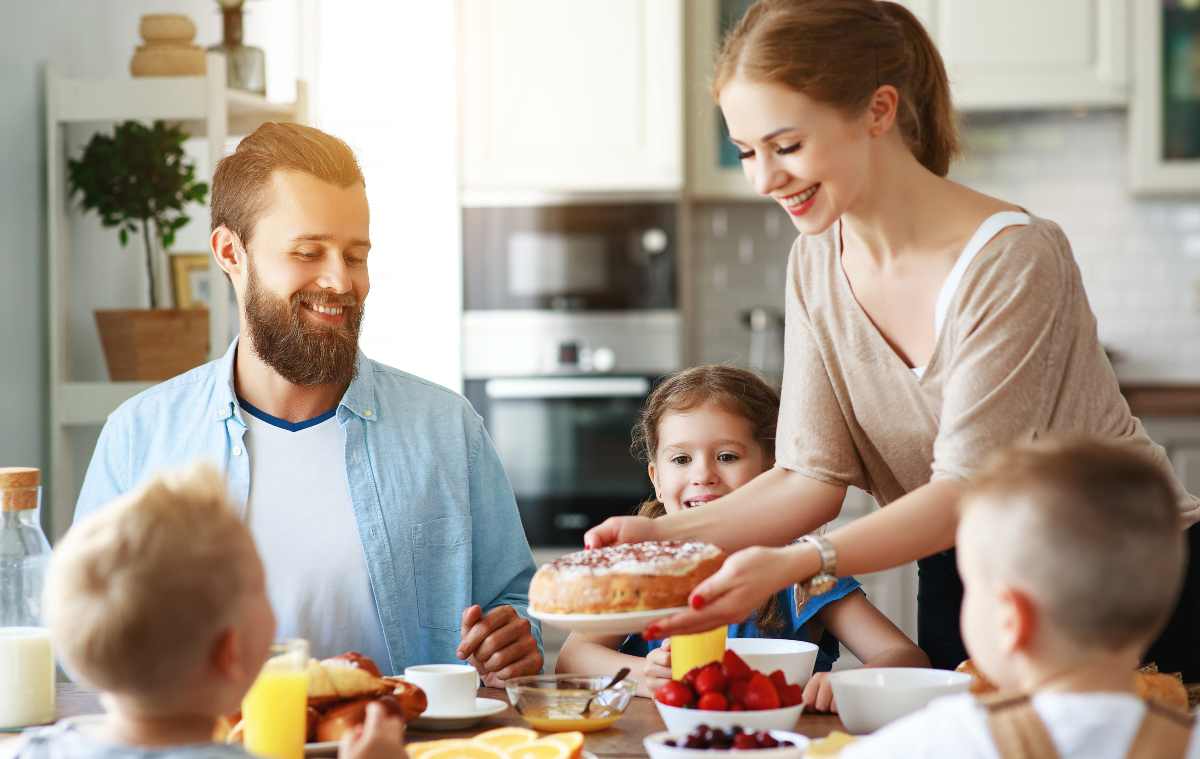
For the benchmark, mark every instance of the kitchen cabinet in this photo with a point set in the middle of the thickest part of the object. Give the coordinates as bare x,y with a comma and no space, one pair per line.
571,96
1164,116
1031,53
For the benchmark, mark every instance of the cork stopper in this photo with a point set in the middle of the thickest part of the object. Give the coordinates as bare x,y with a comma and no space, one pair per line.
19,488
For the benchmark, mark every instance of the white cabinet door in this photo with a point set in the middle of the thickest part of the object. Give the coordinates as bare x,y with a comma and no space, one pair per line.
571,96
1031,53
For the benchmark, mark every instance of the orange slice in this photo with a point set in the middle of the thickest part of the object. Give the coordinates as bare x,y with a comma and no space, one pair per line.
505,738
419,750
572,740
468,750
540,749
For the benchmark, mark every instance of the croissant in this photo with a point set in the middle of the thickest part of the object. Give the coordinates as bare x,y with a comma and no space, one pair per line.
1148,682
339,689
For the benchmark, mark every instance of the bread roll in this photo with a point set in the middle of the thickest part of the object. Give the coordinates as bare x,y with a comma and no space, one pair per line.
333,723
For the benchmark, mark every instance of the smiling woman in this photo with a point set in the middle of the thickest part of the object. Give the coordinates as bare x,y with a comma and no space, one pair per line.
927,324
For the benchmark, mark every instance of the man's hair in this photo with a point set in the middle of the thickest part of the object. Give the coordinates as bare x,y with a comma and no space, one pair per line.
1091,529
238,196
137,593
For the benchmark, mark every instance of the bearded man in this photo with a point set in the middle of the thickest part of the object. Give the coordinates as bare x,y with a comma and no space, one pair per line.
383,516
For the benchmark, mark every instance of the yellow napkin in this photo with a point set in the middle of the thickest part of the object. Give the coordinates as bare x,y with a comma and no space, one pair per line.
830,745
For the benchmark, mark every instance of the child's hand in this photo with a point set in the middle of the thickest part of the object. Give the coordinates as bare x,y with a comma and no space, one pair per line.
656,672
818,694
381,736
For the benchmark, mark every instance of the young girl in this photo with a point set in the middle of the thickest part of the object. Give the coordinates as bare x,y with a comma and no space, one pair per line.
705,432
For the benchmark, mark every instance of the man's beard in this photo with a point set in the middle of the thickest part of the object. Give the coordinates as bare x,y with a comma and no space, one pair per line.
302,352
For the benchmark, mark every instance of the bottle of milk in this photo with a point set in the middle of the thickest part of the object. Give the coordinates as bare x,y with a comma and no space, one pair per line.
26,658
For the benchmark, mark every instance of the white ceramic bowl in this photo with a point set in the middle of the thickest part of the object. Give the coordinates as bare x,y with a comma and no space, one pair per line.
683,721
795,657
658,749
868,699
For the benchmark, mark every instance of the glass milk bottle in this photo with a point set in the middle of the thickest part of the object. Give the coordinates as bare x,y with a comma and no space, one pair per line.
26,659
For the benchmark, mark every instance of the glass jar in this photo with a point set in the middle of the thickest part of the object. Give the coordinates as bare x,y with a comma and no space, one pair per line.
245,65
26,657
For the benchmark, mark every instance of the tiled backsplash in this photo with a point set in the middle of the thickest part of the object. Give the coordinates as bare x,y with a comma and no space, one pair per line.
1140,258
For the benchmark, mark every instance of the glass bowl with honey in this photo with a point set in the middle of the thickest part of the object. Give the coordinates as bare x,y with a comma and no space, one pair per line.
554,703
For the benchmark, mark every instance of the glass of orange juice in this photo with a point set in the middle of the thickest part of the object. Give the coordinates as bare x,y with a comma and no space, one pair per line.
696,650
274,710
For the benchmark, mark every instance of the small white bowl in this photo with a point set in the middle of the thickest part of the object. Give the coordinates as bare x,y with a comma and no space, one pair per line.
658,749
796,658
683,721
868,699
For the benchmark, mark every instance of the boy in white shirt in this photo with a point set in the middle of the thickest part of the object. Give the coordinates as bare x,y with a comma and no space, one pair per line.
1071,557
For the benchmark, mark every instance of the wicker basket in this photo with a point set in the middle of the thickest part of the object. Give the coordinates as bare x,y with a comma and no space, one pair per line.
152,344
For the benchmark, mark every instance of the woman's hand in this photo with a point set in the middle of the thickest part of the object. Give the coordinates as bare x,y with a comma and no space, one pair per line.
656,671
746,580
616,530
818,694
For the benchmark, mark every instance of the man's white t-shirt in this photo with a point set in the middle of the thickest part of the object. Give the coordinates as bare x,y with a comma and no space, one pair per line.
302,518
1082,726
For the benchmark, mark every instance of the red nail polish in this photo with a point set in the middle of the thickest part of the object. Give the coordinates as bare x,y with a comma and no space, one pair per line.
697,602
652,633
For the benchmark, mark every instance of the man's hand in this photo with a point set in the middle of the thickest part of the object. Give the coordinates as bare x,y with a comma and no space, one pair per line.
381,736
499,644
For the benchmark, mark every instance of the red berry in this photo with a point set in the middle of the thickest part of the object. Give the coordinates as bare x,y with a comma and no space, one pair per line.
760,693
792,695
737,691
689,679
675,693
737,708
710,680
778,680
745,740
714,702
735,667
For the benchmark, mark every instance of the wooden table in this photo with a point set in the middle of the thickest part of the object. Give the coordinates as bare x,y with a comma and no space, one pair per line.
623,739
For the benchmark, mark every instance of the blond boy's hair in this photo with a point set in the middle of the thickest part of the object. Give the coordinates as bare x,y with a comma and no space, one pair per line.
138,592
1091,530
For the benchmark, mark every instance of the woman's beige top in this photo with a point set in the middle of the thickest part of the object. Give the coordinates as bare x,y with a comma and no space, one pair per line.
1017,359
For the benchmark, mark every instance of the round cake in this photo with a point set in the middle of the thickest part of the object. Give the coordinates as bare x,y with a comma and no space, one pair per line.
629,577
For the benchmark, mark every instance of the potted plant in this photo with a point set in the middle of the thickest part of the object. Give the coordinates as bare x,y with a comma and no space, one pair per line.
138,180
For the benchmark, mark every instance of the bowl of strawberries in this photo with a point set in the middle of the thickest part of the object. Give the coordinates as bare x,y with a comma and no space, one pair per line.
728,693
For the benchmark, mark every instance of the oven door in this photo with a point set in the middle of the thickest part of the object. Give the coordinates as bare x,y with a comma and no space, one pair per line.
564,442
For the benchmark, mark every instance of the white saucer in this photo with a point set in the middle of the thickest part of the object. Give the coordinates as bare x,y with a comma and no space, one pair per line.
484,707
605,624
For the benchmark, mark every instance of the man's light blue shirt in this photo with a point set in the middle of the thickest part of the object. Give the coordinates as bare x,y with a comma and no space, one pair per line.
435,511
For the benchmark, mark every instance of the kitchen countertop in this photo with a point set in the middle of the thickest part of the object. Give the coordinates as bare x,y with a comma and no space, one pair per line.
624,739
1155,399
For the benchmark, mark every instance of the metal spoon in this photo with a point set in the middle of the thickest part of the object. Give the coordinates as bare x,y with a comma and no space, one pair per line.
621,674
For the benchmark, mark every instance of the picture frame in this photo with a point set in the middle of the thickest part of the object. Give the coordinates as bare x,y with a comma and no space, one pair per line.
189,280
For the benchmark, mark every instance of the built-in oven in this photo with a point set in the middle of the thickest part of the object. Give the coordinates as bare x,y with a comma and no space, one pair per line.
595,257
559,394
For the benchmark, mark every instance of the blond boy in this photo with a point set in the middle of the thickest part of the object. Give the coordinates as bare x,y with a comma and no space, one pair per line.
160,602
1072,558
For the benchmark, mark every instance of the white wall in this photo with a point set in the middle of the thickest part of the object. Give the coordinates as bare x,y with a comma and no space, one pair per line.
386,84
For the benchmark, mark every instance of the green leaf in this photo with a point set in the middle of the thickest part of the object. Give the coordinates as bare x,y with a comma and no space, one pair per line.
139,173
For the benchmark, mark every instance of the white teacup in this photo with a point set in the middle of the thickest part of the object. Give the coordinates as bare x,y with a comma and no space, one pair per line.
450,688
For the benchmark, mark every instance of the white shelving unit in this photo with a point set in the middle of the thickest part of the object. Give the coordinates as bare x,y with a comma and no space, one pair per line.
205,108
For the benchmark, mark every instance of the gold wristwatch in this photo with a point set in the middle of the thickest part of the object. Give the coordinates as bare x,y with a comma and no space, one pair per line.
824,580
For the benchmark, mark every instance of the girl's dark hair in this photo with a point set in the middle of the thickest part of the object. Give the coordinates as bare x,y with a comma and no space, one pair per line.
739,392
839,52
